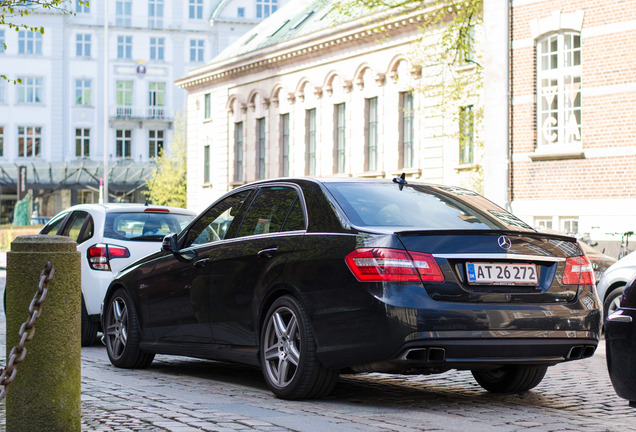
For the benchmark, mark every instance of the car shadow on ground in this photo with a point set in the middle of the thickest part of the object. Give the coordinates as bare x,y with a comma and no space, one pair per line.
372,389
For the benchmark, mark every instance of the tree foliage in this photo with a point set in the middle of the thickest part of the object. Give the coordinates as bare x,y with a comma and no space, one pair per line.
167,184
12,13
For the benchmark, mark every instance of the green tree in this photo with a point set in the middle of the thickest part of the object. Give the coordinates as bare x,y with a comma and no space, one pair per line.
12,13
167,184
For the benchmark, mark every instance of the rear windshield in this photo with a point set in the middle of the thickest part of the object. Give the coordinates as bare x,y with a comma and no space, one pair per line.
418,207
144,226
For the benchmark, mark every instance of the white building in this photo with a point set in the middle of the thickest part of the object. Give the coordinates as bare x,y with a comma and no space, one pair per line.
299,95
54,122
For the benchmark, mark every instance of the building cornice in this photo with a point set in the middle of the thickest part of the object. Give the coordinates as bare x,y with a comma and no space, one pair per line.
302,48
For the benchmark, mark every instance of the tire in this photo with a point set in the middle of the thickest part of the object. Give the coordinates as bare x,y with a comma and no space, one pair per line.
122,335
89,327
612,301
288,354
510,379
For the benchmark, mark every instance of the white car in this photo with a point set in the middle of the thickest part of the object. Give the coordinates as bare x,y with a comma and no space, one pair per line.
109,238
611,286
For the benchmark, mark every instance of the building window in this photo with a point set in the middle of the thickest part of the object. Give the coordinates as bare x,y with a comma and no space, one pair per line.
559,89
240,12
2,86
196,50
195,9
569,225
406,129
81,8
29,141
466,132
206,164
467,47
29,42
155,143
207,106
260,133
123,12
310,141
30,90
155,13
371,129
284,144
124,98
83,45
543,222
265,8
1,141
82,92
340,133
82,142
124,47
123,143
156,99
238,151
157,48
2,41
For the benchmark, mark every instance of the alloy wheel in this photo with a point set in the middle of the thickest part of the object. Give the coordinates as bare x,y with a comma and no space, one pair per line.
282,350
117,327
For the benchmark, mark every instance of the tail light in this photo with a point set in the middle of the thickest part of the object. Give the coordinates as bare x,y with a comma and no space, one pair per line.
99,255
381,264
578,271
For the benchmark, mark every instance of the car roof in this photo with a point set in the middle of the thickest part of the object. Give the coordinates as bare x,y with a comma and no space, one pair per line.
129,207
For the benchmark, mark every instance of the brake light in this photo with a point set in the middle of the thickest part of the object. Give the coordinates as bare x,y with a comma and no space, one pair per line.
156,210
99,255
382,264
578,271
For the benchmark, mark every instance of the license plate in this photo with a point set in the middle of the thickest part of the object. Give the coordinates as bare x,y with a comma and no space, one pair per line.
502,274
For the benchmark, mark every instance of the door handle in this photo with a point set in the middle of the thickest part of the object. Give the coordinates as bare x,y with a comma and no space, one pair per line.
267,253
201,263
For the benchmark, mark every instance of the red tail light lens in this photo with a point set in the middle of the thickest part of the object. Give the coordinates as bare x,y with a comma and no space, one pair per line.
380,264
99,255
578,271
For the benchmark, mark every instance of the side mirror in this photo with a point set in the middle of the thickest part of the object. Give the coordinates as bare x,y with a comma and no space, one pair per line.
169,243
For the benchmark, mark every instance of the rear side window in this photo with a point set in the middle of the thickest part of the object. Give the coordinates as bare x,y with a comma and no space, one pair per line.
420,207
79,226
273,210
143,226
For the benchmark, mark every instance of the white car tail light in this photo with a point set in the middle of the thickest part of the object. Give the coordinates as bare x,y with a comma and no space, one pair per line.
382,264
99,255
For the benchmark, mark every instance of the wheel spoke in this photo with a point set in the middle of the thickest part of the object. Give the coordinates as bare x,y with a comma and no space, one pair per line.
283,370
279,325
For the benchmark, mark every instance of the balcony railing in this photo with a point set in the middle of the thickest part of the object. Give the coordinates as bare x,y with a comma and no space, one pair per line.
141,113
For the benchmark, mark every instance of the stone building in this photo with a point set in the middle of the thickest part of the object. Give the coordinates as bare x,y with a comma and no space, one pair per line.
303,94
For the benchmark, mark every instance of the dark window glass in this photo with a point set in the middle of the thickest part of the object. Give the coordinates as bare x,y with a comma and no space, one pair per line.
215,223
146,226
421,207
268,211
295,218
74,226
310,138
54,225
284,137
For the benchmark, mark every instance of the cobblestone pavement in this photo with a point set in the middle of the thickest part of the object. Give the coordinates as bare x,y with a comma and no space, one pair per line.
183,395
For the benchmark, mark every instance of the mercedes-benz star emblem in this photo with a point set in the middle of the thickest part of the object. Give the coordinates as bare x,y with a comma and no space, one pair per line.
504,242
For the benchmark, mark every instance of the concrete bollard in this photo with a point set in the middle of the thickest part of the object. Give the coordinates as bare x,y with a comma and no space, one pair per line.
46,393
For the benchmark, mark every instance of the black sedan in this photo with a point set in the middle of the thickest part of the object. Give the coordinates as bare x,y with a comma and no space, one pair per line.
309,278
620,340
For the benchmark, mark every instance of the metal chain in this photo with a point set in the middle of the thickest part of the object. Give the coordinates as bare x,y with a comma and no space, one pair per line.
27,330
